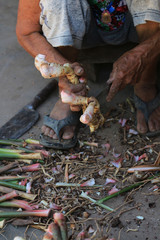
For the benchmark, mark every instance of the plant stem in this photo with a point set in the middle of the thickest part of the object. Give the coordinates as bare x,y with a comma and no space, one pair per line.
30,168
10,178
23,156
7,167
84,195
63,184
12,185
60,220
8,196
20,193
126,189
34,213
18,204
32,141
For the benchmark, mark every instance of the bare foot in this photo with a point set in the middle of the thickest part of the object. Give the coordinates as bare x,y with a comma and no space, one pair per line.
147,94
60,111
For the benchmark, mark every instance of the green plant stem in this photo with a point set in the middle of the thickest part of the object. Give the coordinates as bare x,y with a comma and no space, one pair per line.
32,141
126,189
12,178
36,213
21,156
13,185
84,195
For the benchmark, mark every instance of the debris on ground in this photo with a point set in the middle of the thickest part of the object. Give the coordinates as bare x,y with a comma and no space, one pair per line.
79,183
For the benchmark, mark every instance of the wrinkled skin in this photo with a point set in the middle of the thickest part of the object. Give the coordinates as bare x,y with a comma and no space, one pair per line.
129,67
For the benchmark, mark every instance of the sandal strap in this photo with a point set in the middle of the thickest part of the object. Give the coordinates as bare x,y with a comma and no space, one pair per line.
147,107
57,125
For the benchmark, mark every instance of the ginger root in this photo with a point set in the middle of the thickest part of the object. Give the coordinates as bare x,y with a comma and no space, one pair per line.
90,106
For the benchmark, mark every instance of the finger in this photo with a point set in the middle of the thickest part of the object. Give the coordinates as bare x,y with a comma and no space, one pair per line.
78,88
115,87
75,108
113,75
78,69
81,93
65,84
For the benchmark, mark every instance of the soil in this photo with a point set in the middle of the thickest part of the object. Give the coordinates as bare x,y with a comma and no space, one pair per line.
136,212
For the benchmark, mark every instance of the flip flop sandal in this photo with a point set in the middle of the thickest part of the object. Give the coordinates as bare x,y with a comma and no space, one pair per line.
147,108
57,125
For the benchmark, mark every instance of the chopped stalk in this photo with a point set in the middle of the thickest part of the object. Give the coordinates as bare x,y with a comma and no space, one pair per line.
8,196
6,150
84,195
8,166
47,236
126,189
21,156
32,141
144,168
63,184
12,185
10,178
54,230
11,142
66,174
60,220
33,213
20,193
2,223
17,204
30,168
92,144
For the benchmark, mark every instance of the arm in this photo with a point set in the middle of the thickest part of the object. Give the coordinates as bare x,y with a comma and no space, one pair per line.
128,68
29,32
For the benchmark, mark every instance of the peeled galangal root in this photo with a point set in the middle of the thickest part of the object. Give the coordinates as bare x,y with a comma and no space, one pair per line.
91,109
52,70
90,106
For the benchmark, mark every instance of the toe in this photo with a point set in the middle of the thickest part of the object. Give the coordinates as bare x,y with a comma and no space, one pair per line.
141,123
151,125
154,120
68,132
43,129
51,133
47,130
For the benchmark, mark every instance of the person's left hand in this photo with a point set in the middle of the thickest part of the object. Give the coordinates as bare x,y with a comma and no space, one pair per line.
126,70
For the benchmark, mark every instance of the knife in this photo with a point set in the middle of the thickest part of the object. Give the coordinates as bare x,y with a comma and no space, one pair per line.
27,116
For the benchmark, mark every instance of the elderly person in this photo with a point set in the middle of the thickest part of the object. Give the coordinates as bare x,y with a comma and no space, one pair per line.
58,29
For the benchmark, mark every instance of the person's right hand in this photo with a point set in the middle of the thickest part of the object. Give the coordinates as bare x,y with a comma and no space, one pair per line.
78,89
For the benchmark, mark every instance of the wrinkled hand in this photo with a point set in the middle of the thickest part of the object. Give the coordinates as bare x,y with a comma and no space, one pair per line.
78,89
126,70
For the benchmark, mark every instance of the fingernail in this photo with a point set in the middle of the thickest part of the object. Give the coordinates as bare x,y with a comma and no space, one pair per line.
82,80
80,70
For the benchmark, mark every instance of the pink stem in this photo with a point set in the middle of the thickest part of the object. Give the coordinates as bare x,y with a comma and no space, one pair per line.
30,168
47,236
60,220
18,204
8,196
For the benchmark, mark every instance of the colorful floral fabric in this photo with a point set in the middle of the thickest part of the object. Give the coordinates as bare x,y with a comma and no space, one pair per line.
114,10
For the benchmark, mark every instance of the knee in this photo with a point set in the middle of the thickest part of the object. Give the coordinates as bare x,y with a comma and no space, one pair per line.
147,30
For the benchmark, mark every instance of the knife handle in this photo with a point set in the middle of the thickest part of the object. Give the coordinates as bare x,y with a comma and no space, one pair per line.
43,94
